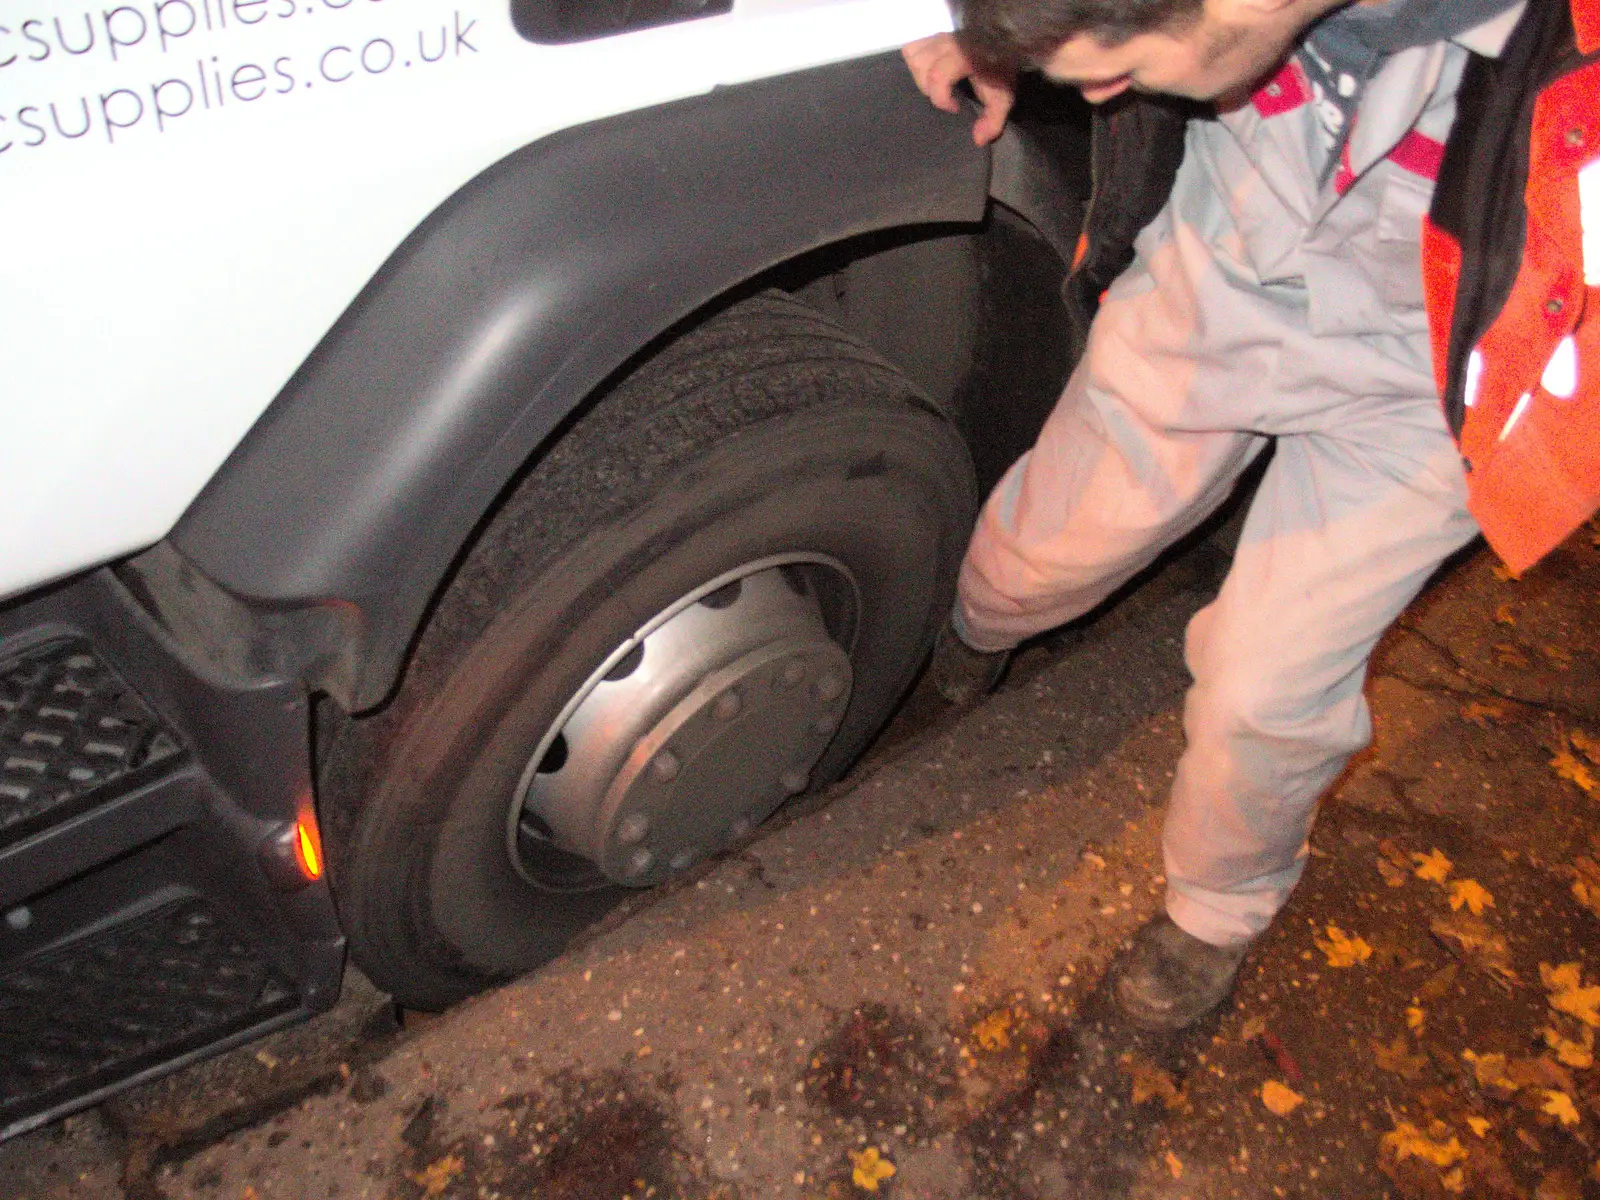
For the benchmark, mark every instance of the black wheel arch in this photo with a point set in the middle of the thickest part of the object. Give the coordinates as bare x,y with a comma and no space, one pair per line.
516,300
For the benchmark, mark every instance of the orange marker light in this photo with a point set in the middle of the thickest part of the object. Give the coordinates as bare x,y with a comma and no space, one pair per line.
308,848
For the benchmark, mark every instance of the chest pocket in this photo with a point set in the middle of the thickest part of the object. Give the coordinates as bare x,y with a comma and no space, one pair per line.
1404,203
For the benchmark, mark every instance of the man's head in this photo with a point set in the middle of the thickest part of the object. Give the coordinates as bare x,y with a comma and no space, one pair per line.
1196,48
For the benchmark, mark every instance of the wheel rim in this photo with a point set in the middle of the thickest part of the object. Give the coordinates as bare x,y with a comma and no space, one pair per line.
692,731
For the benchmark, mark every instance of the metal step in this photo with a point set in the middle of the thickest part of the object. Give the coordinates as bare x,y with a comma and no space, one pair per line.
163,983
69,727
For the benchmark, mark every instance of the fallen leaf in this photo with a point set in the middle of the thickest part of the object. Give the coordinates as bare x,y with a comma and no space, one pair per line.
1472,894
1280,1099
1175,1165
1253,1028
1342,949
1560,658
1405,1140
1433,867
1504,616
1586,884
1392,875
1439,984
267,1060
1508,655
1397,1059
1415,1018
1559,1105
1578,1055
1489,1070
1585,745
1484,714
1479,1125
439,1174
871,1168
1454,1180
1568,767
1477,943
1151,1082
1568,995
994,1031
1541,1072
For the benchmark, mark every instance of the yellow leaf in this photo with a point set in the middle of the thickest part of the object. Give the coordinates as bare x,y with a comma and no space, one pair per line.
1559,1105
1471,893
1508,655
1175,1165
1478,1125
1568,767
438,1175
1577,1055
1454,1180
871,1168
1151,1082
1415,1018
1433,866
1342,949
1568,995
1484,714
1397,1059
1489,1070
1279,1099
994,1031
1407,1141
1559,657
1585,745
1479,944
1504,616
1586,884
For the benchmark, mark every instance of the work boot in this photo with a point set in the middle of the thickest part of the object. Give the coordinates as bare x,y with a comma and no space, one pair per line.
1169,979
961,674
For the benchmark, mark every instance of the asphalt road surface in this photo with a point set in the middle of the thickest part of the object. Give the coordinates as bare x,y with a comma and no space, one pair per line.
896,989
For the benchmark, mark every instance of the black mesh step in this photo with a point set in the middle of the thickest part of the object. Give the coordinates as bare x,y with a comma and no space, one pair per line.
100,1009
68,727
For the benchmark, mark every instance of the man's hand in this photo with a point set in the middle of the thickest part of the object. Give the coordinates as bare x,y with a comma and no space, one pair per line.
938,63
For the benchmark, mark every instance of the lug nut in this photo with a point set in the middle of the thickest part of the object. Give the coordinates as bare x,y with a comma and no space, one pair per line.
794,672
640,861
666,766
794,782
829,687
727,706
632,829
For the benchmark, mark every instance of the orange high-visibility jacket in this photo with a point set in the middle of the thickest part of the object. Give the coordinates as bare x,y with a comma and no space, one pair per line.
1513,304
1511,262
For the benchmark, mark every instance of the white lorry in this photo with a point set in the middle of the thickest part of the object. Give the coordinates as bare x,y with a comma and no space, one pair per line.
463,460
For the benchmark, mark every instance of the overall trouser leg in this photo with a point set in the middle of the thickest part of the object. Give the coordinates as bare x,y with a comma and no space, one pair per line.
1111,481
1343,533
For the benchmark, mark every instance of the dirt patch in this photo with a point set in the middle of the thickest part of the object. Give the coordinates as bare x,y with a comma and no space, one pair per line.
603,1137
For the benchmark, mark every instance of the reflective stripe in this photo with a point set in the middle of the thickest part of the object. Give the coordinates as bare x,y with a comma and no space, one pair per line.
1589,197
1560,377
1419,154
1469,390
1516,415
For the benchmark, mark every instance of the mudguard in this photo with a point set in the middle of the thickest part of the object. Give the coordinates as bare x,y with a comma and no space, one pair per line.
515,301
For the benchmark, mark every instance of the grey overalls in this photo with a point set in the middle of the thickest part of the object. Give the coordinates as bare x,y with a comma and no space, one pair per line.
1269,299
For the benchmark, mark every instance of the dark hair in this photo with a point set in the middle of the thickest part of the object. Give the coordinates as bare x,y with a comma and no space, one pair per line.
1002,36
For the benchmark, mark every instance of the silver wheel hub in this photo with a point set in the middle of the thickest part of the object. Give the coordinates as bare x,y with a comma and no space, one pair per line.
691,733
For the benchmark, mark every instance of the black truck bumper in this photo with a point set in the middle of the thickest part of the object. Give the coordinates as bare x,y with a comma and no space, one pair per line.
149,913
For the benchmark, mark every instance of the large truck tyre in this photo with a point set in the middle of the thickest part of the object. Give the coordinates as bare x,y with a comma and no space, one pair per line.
704,600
